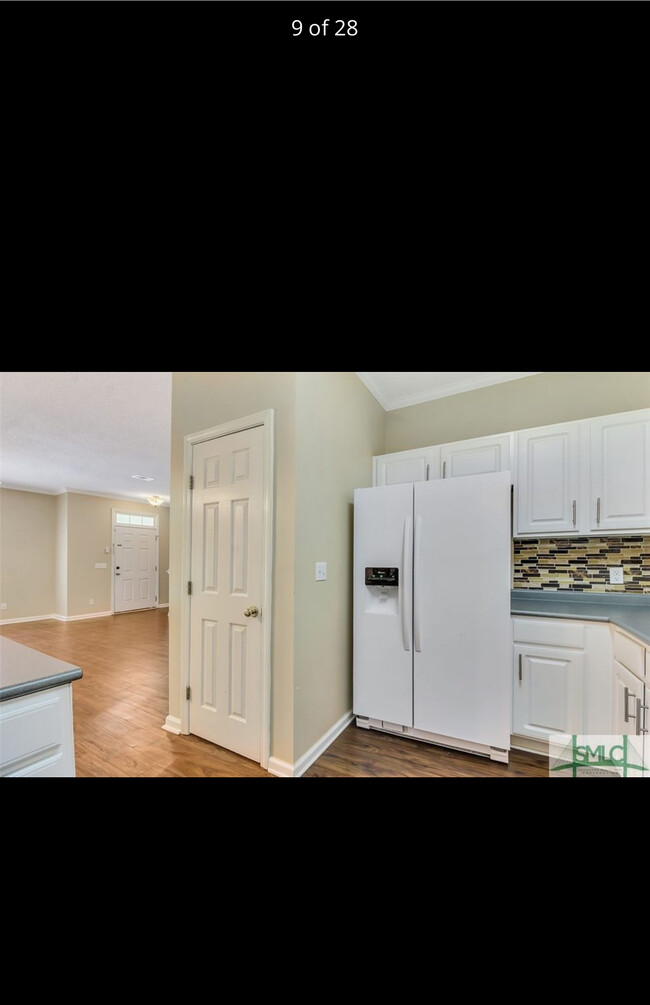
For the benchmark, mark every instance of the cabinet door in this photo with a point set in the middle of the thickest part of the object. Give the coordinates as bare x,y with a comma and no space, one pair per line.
476,457
620,472
628,702
630,719
407,466
548,692
548,480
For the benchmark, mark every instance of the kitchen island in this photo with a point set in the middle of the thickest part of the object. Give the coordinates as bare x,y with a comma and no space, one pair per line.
36,723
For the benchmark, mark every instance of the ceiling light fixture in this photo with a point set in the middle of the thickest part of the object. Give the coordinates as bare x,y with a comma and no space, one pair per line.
156,501
142,478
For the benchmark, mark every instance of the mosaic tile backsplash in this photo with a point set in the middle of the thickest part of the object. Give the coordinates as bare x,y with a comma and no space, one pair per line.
582,564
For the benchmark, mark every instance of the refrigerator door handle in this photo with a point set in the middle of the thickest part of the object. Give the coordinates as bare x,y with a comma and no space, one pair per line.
416,585
407,552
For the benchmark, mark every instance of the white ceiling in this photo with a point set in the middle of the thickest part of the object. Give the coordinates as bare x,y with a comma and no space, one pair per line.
86,432
91,432
399,390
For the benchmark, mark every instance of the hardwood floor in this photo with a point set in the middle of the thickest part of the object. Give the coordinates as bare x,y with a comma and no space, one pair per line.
121,704
361,753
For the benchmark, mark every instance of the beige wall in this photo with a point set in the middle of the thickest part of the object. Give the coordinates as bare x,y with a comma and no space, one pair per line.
50,545
89,533
27,554
521,404
339,428
203,400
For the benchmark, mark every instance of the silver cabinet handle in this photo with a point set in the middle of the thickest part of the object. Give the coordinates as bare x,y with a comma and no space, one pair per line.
598,512
643,719
521,667
444,470
628,714
428,472
575,512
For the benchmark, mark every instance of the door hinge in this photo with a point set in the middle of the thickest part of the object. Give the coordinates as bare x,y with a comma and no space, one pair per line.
191,483
189,589
188,694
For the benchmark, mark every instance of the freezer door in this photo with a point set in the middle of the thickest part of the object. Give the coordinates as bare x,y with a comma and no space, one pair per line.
383,604
462,584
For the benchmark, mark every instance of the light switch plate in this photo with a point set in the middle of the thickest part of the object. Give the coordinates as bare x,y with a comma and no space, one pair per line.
321,572
616,577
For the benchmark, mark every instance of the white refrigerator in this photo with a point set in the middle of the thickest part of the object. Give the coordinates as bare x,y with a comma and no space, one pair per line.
432,636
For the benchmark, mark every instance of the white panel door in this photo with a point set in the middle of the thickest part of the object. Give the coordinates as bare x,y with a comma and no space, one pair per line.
462,633
227,583
476,457
548,480
407,467
620,472
383,616
548,692
136,569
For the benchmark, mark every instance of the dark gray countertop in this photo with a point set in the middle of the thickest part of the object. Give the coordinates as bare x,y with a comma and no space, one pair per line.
24,671
628,611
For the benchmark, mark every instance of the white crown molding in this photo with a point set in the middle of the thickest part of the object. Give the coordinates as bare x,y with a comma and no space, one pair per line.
459,387
374,390
124,498
25,488
82,492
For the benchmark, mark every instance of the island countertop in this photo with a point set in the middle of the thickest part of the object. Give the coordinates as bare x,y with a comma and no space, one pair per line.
631,612
25,671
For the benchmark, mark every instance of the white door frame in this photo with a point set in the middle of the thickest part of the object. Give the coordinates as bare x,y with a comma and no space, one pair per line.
114,527
267,421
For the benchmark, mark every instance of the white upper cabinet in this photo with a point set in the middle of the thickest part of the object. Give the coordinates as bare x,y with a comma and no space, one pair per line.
548,483
477,457
574,479
620,472
407,466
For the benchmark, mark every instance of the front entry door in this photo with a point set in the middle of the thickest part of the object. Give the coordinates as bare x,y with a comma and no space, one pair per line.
226,592
136,569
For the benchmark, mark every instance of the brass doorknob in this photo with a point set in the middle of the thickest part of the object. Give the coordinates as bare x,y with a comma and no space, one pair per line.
251,612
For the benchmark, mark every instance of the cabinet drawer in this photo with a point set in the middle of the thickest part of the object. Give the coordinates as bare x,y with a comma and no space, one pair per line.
549,632
631,654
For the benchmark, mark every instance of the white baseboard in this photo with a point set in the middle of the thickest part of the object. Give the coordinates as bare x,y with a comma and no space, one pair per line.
25,621
173,725
84,617
163,607
56,617
281,769
284,770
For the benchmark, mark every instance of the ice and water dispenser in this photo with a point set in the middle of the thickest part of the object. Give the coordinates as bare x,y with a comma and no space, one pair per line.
382,593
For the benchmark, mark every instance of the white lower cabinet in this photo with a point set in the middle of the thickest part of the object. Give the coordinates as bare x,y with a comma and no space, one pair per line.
36,735
562,673
548,691
628,702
